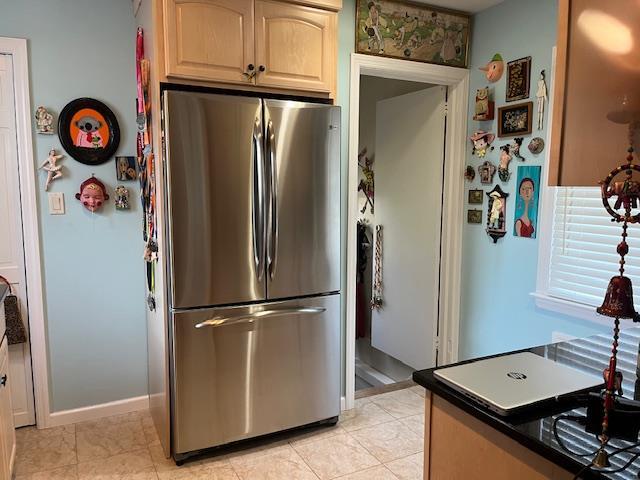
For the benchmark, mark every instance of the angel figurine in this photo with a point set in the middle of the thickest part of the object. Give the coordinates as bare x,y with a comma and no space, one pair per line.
53,170
541,96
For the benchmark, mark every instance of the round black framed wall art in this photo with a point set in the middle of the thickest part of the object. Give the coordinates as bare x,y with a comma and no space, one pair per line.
88,131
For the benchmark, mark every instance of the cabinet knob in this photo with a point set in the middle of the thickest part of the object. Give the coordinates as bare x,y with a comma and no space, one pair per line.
262,68
250,67
3,381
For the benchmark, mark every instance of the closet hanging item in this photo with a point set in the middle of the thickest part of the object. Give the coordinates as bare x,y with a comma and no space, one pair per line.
16,332
376,297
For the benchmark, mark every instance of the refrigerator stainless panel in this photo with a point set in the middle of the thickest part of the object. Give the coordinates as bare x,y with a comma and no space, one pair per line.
241,372
302,143
215,176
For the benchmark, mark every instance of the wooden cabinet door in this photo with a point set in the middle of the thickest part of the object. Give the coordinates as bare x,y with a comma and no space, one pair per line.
209,40
296,45
7,432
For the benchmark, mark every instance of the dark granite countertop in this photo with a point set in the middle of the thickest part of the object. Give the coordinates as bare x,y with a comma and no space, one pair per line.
534,429
4,290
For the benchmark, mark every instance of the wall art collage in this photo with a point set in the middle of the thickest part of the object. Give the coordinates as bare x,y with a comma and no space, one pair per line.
89,132
496,143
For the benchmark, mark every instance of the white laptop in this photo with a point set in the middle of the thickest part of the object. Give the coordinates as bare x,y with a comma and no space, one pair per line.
509,383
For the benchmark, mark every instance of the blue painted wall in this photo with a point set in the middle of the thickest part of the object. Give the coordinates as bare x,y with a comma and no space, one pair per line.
498,312
93,269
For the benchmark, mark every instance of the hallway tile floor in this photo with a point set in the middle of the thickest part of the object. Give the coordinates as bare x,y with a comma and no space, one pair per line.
380,439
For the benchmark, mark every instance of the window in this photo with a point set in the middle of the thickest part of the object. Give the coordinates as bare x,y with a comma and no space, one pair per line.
578,252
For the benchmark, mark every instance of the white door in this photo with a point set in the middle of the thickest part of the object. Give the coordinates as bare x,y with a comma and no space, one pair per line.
11,246
409,162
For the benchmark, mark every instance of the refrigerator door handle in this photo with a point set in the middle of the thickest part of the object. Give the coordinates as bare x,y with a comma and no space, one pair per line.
251,317
273,202
258,200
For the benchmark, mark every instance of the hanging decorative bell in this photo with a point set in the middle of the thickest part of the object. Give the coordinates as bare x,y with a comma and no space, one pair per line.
601,459
618,302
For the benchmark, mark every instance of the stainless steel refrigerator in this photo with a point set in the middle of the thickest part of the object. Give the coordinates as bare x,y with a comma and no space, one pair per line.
253,204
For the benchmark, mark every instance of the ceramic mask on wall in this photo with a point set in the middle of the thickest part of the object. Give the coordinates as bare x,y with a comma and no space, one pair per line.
92,194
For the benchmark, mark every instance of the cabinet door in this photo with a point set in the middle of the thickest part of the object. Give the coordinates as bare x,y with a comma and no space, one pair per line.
209,39
296,45
7,432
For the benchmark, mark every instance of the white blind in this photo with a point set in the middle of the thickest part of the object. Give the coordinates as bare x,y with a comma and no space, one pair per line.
583,247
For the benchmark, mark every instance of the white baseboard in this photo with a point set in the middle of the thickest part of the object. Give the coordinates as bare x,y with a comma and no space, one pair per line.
343,403
94,412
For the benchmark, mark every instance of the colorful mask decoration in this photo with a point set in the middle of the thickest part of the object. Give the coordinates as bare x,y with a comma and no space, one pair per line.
44,121
366,185
92,194
536,145
484,107
481,142
122,198
486,171
496,213
505,159
469,173
53,170
494,69
514,148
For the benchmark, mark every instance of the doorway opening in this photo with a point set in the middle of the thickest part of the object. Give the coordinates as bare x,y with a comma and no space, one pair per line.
12,268
401,158
407,123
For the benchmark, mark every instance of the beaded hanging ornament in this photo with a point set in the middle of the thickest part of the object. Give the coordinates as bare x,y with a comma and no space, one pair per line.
618,301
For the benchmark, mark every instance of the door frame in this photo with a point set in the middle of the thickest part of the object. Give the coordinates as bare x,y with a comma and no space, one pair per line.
17,48
457,79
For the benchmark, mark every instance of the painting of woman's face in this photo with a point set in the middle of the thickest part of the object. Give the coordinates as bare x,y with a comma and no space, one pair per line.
526,190
526,211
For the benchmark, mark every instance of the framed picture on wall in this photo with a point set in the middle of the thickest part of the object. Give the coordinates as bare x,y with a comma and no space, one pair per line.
88,131
526,210
412,31
518,79
475,196
514,120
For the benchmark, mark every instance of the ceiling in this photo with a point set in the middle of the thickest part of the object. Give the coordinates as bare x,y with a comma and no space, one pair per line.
471,6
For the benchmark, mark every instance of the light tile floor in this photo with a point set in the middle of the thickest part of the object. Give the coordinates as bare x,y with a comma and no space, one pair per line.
380,439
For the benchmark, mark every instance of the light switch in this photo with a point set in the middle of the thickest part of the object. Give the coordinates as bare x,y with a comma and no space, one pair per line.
56,203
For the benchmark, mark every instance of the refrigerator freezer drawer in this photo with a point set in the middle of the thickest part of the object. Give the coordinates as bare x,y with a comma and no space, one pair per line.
242,372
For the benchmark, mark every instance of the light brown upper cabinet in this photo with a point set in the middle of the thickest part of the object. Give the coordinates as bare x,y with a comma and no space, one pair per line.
596,89
209,39
295,46
274,44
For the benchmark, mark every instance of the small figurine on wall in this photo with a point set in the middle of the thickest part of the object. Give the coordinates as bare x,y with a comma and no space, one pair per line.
122,198
536,145
514,148
481,142
505,159
53,170
486,171
496,213
484,107
494,69
469,173
44,121
92,194
541,96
